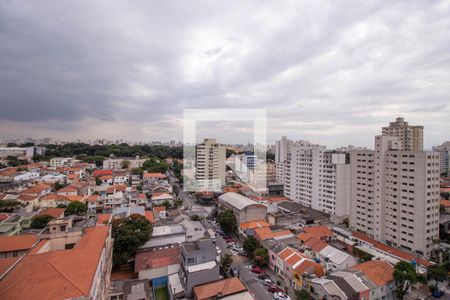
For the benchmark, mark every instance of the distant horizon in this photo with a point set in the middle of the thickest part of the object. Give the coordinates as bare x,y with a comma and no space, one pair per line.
330,74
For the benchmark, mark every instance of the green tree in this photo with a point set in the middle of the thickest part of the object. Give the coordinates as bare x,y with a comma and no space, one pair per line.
225,263
249,245
154,165
301,295
9,205
129,234
57,186
40,222
125,164
166,204
178,203
195,218
137,171
261,257
405,276
98,181
227,221
75,208
437,273
61,206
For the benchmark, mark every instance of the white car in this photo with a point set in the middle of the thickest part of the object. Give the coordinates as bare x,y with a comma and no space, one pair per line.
268,282
280,296
237,248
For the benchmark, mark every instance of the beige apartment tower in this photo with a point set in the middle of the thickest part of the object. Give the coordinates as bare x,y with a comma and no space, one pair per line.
410,137
395,195
210,165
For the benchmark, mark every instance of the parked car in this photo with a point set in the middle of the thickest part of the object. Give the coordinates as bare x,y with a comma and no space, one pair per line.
263,276
268,282
258,270
229,239
274,289
280,296
237,248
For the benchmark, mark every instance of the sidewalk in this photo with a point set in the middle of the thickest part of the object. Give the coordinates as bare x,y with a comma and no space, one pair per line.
284,283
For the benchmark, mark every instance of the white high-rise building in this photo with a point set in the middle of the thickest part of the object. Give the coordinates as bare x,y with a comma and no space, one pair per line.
395,195
210,164
444,151
313,176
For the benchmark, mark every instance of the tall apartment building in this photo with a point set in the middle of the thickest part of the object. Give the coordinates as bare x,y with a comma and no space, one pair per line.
282,148
444,151
210,164
395,194
410,137
314,176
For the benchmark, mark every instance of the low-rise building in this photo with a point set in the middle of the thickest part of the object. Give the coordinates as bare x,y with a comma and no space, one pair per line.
226,289
156,263
199,264
81,271
244,209
16,246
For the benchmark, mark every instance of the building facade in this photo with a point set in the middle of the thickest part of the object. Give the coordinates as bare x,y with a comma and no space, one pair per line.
314,176
444,152
410,137
395,195
210,164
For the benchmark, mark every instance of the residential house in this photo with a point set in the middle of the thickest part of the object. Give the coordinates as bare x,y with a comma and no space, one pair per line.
157,263
228,288
160,212
248,228
265,233
167,235
160,199
320,232
68,190
55,273
16,246
380,273
199,264
194,230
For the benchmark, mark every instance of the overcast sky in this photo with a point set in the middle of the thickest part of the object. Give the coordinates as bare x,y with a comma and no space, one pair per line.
332,72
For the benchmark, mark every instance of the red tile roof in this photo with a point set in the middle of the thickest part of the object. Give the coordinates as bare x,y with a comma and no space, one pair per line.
266,233
254,224
6,263
153,259
17,242
98,173
4,216
391,250
27,197
309,265
155,175
445,203
36,189
319,232
315,244
149,216
220,288
380,272
102,218
54,212
68,189
57,274
158,209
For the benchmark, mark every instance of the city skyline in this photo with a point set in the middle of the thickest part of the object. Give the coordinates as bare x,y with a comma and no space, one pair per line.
329,74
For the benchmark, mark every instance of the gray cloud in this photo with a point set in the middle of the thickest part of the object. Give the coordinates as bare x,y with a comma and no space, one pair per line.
329,72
